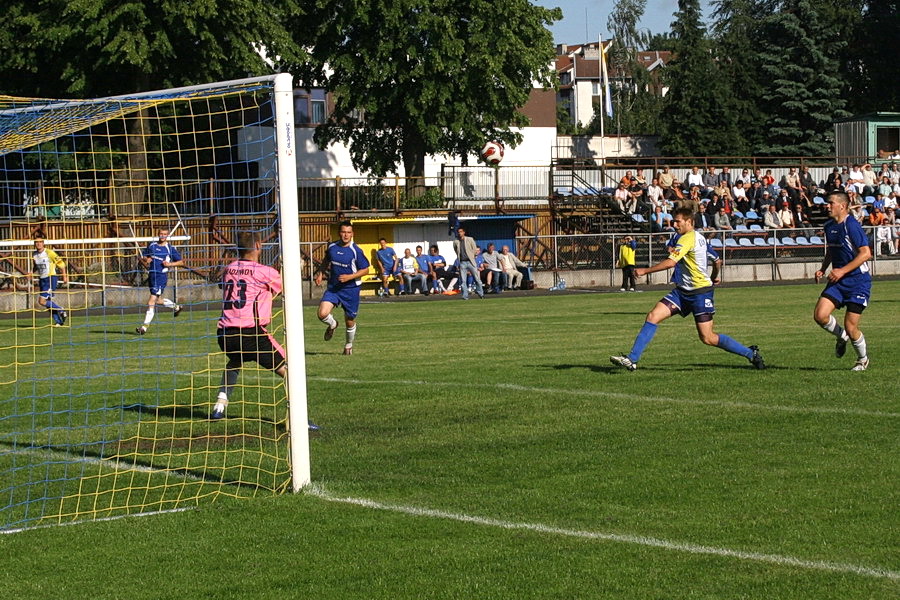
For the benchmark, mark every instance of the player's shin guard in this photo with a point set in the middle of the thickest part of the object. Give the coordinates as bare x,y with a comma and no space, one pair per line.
148,317
351,335
730,345
834,329
229,380
643,339
860,346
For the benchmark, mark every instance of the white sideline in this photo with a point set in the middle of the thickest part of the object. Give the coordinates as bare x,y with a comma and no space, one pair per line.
839,410
319,491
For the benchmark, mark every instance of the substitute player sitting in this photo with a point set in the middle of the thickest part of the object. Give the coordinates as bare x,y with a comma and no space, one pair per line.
47,267
849,282
346,263
158,257
693,294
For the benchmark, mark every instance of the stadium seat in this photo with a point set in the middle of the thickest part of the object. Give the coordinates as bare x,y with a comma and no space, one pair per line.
738,214
731,242
772,241
741,227
638,218
715,243
788,241
562,191
759,242
608,190
751,214
745,242
869,199
814,239
802,241
755,227
818,200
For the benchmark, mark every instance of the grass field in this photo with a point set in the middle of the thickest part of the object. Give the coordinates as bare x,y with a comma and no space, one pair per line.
487,449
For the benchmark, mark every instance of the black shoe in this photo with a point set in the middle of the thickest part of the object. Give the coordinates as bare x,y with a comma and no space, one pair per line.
177,310
757,360
840,347
63,315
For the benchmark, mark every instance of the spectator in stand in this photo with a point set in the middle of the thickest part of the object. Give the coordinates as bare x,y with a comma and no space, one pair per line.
695,178
808,184
838,184
703,220
885,188
768,181
800,218
661,220
509,262
626,262
409,267
884,172
624,199
878,202
710,181
783,197
791,183
725,176
495,274
771,219
655,193
692,201
855,179
721,220
668,183
438,266
640,179
895,174
786,215
745,177
739,191
754,196
423,262
869,180
757,176
890,205
830,183
766,201
723,191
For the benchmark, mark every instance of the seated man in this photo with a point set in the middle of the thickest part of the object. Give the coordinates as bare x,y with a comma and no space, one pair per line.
721,220
495,276
509,262
387,262
438,270
771,219
423,261
409,267
624,199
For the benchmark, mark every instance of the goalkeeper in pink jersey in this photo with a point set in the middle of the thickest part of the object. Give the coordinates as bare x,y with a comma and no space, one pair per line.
248,288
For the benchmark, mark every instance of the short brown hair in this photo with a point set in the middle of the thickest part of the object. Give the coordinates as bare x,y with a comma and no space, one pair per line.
247,241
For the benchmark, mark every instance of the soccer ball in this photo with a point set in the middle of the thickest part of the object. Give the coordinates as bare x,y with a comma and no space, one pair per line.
492,153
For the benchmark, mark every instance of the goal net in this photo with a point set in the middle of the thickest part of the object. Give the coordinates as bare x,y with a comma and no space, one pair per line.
109,363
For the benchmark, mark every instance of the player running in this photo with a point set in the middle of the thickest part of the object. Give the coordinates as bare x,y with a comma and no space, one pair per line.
693,294
347,264
849,282
158,257
47,267
248,289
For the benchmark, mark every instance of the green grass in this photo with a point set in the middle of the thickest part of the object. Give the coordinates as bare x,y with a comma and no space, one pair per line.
508,409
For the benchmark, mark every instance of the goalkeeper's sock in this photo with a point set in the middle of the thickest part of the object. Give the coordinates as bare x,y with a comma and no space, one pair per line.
731,345
148,317
643,339
351,335
834,329
860,346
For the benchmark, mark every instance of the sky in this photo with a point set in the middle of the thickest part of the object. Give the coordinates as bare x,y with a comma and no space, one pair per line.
574,28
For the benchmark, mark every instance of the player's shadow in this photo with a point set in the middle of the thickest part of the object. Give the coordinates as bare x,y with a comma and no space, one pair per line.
592,368
189,412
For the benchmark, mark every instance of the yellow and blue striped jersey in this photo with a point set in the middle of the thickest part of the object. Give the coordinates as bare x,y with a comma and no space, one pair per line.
690,256
47,262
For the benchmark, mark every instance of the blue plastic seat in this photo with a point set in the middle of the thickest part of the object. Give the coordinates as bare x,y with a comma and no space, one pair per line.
638,218
755,227
745,242
731,242
715,243
741,227
814,239
788,241
738,214
772,241
869,199
751,214
818,200
759,242
802,241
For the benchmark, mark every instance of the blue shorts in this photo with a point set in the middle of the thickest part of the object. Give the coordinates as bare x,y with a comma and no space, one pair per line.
157,283
686,304
855,292
347,298
47,285
386,271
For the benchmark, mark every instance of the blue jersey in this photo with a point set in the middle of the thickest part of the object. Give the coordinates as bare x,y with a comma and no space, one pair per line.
844,241
159,253
424,263
344,260
386,257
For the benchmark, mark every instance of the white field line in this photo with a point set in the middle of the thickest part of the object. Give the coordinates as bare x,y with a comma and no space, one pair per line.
151,513
690,548
839,410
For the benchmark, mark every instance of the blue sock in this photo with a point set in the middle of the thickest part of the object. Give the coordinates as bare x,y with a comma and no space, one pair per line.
53,305
733,346
644,336
55,315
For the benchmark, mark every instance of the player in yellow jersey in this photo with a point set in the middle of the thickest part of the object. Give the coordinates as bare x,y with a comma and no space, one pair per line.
47,268
693,294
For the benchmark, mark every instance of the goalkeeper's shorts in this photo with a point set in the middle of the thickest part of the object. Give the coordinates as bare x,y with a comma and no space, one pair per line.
251,344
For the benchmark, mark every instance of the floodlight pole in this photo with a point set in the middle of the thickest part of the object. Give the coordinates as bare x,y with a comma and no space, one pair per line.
295,381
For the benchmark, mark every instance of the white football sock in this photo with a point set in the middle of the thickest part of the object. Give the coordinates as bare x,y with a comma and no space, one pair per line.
351,335
168,303
148,317
860,346
329,320
834,329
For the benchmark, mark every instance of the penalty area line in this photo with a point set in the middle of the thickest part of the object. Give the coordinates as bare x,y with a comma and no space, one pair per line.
780,560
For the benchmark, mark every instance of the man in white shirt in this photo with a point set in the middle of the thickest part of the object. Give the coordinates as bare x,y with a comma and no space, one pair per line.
855,178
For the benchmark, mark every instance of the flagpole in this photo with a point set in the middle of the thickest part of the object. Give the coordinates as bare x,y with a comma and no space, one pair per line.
602,103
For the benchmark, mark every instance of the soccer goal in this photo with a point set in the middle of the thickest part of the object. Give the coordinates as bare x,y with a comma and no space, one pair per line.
109,363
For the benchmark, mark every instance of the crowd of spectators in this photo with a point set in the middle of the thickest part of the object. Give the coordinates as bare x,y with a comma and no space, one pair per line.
725,200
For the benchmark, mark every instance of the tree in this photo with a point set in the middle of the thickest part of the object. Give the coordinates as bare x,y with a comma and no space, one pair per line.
413,78
805,94
698,117
869,62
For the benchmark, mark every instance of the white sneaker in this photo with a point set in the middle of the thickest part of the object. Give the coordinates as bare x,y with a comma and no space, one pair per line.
862,364
623,361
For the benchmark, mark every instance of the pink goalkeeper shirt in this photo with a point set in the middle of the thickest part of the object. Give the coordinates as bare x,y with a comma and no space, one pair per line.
247,291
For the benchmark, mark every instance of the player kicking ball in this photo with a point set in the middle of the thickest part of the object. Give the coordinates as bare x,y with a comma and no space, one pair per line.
346,264
849,282
248,289
693,294
158,257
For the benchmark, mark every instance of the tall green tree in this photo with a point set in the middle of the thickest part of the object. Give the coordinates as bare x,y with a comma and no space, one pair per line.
805,91
870,64
413,78
88,48
698,116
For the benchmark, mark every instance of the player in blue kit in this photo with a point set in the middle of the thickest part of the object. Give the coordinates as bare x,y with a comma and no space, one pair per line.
388,260
158,257
347,263
693,294
849,282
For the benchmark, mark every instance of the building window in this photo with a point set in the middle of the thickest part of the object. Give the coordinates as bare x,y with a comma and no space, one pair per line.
887,139
309,107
